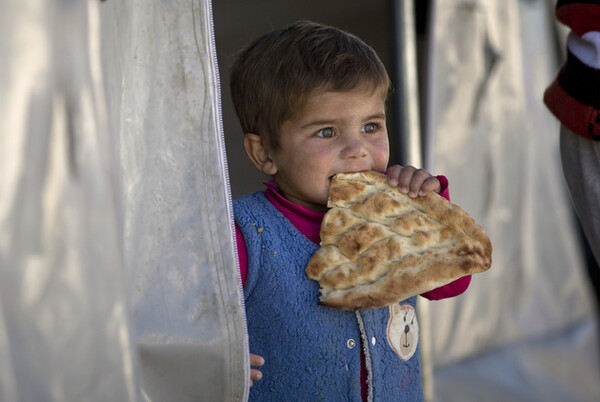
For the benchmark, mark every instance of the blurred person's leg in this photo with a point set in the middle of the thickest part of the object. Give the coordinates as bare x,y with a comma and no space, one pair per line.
581,165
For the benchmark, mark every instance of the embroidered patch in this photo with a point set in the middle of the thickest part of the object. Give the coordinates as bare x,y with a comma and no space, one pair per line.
403,330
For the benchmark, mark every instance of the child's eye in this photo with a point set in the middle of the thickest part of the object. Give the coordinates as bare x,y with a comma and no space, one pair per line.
369,128
326,132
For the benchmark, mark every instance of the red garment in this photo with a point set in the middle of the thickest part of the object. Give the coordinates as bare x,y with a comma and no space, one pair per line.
574,95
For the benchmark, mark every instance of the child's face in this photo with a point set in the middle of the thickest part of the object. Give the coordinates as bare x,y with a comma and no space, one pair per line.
335,132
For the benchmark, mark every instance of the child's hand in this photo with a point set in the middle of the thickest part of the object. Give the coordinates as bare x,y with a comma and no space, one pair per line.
413,181
255,361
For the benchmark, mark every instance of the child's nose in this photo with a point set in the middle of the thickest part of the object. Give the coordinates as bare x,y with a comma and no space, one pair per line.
354,147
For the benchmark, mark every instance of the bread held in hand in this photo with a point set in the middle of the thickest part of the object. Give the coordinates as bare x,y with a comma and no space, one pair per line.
380,246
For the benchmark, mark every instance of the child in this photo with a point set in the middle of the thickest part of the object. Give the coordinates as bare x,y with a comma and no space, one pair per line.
311,101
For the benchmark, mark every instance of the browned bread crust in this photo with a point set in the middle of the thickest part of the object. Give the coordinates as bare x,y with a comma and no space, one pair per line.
379,246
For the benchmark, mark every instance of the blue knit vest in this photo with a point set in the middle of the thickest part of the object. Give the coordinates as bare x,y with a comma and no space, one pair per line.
312,353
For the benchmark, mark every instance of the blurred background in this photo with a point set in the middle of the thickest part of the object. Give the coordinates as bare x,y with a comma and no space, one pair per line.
120,154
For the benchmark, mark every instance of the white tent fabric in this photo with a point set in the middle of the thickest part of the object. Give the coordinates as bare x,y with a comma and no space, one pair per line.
118,278
183,283
526,330
64,333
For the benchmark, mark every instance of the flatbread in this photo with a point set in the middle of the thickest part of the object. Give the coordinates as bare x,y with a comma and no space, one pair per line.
380,246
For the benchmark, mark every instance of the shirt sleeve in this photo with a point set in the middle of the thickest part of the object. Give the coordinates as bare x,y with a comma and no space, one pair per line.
458,286
574,95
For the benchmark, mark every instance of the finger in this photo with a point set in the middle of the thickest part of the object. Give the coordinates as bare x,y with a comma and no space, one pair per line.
431,184
418,179
405,179
255,375
393,174
256,360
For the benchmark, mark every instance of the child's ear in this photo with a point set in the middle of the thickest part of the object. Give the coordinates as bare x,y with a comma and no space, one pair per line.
259,154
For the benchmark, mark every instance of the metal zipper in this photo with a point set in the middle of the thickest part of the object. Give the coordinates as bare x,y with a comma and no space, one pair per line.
219,129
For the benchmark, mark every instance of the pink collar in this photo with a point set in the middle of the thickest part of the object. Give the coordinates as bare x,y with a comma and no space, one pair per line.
306,221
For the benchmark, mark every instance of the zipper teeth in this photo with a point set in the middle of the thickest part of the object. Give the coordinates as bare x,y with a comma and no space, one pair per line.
220,132
368,363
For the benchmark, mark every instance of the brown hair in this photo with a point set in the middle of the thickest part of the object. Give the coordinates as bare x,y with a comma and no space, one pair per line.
273,77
